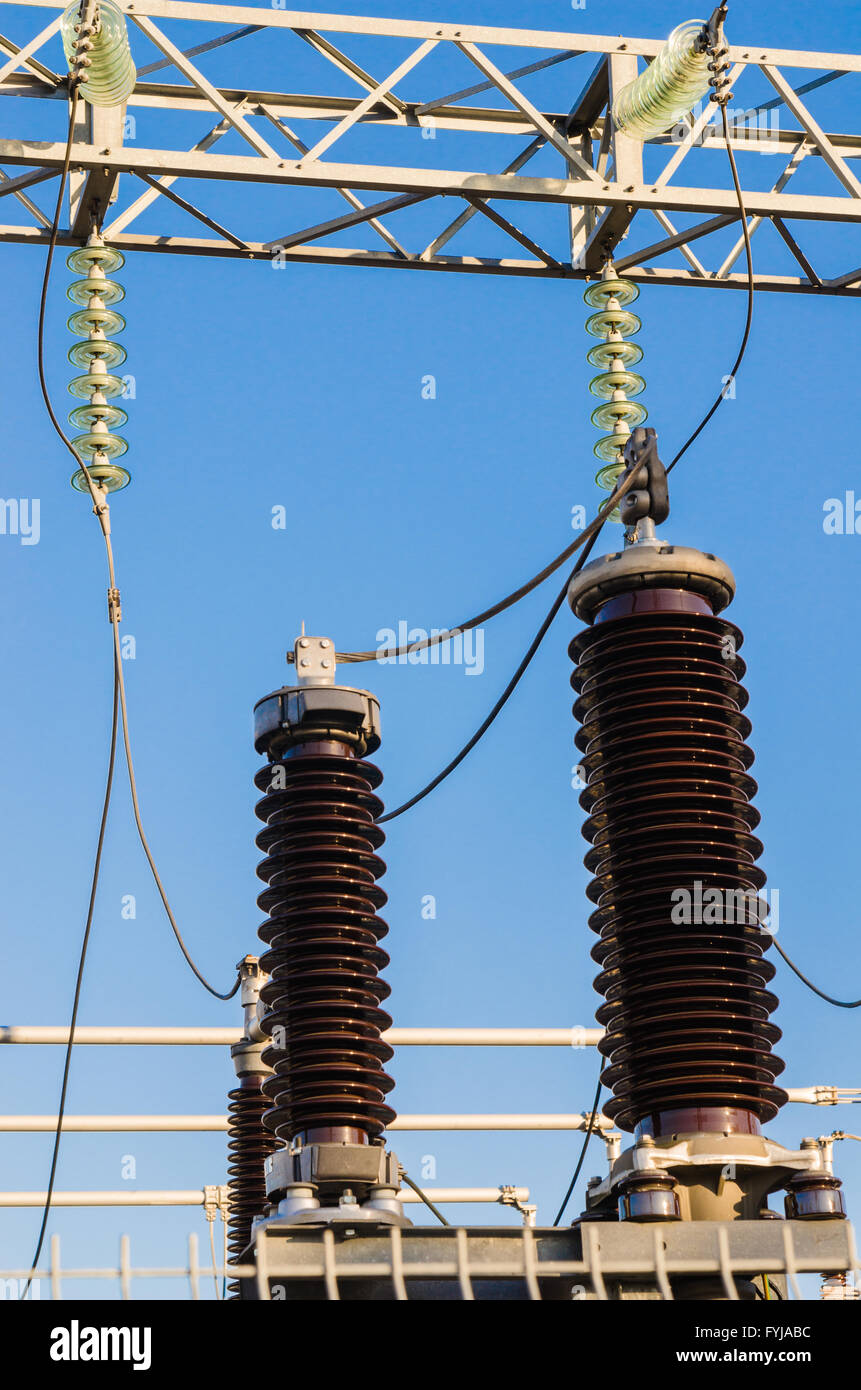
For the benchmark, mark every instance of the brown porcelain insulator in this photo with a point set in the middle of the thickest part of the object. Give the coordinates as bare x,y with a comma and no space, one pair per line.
668,798
324,993
249,1145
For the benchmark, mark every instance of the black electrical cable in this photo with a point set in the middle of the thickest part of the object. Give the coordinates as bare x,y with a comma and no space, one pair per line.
590,535
838,1003
593,1119
143,839
94,885
118,684
101,510
424,1197
595,525
751,289
435,638
503,699
113,741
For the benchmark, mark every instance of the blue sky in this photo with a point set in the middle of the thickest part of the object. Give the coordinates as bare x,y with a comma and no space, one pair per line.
303,389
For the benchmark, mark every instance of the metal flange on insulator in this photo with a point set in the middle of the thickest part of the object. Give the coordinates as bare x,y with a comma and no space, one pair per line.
615,384
96,321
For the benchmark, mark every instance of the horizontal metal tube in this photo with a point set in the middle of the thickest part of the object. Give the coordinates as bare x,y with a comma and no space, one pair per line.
120,1036
467,1194
109,1124
194,1197
112,1124
499,1122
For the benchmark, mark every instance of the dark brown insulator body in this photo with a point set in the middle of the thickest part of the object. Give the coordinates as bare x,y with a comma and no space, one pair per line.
688,1039
249,1146
324,992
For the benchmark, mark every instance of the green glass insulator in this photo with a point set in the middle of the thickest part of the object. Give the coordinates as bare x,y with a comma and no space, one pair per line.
608,382
108,291
83,257
112,445
614,324
608,477
613,320
670,86
108,320
625,291
84,386
108,476
82,354
83,416
110,77
607,416
609,447
604,354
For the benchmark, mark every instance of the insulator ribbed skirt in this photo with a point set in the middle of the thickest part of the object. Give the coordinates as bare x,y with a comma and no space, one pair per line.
249,1145
670,819
324,992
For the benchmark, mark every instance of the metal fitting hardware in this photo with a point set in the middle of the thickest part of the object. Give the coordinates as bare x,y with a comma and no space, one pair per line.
663,566
814,1197
314,660
309,713
649,1196
331,1168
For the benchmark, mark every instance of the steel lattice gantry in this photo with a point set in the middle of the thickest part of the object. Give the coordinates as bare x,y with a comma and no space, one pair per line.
600,186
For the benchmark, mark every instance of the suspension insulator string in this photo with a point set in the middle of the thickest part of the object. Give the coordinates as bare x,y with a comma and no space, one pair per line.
615,383
678,78
96,322
96,44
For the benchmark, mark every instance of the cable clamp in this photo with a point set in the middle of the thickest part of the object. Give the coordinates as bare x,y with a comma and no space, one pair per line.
115,609
215,1200
508,1198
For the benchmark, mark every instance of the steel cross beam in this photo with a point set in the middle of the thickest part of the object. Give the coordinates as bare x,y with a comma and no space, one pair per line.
589,190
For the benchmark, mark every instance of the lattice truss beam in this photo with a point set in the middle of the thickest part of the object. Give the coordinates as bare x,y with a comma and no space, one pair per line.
542,185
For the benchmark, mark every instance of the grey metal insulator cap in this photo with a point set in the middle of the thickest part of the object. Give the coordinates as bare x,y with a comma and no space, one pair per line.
298,714
248,1058
659,566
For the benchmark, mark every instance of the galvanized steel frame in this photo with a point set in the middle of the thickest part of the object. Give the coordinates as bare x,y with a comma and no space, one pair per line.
601,189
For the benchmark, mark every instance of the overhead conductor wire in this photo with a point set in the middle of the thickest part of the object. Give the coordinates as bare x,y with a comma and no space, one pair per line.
100,508
588,538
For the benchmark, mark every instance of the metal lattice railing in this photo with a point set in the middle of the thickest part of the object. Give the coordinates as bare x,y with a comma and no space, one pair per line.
54,1276
656,1255
610,1256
